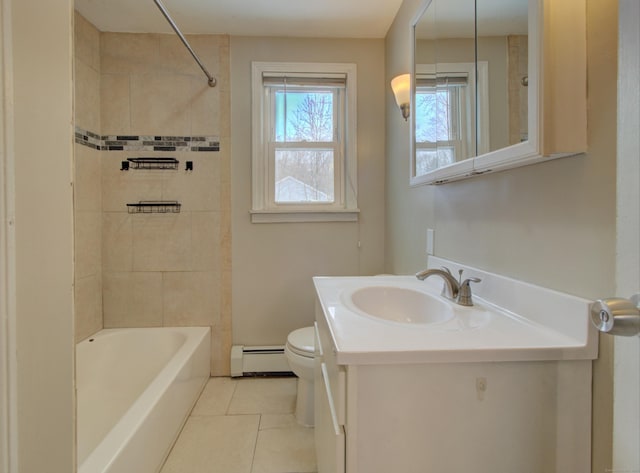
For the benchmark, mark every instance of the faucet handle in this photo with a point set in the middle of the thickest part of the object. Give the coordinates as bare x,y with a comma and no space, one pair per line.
469,280
464,293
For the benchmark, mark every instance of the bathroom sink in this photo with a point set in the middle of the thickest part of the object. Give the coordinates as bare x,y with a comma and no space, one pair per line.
396,304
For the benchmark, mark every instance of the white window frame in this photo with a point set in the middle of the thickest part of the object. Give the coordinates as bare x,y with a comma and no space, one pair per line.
264,208
459,102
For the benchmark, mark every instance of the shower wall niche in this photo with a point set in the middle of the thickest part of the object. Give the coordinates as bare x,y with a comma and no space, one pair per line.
142,95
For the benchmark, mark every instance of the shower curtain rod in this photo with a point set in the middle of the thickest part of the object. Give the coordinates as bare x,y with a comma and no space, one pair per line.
212,80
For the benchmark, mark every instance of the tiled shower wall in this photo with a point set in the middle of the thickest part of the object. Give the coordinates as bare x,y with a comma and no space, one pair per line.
87,190
518,68
168,269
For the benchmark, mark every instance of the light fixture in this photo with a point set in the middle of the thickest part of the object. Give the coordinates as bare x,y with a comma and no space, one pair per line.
401,86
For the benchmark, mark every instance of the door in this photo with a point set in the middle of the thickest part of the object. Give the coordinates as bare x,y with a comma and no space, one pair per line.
626,417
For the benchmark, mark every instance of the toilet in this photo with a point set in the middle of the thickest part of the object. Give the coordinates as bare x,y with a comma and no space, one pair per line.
299,352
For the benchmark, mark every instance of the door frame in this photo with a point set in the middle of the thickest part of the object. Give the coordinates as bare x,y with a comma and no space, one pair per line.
626,377
8,363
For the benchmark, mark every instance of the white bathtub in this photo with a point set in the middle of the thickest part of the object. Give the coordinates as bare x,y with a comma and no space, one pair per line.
135,389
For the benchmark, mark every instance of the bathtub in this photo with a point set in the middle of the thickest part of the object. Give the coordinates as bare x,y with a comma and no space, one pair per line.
135,389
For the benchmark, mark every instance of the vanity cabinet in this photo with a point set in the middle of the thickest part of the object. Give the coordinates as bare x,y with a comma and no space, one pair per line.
330,398
454,417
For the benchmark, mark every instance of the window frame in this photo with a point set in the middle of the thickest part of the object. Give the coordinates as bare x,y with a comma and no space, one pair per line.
477,97
336,145
461,135
264,208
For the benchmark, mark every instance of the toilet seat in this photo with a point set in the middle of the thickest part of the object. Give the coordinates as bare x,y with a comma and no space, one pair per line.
301,342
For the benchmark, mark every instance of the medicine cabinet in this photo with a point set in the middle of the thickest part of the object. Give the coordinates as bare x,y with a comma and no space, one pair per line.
496,84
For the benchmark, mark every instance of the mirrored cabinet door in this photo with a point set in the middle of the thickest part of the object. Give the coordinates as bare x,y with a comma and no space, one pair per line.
502,45
445,116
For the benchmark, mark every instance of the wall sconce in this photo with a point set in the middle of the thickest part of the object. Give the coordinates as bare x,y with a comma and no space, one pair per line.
401,86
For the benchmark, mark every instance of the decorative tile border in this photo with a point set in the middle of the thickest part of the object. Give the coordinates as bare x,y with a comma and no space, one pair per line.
146,142
89,139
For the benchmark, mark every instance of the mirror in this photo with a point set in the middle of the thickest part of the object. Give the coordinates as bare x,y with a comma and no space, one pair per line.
469,93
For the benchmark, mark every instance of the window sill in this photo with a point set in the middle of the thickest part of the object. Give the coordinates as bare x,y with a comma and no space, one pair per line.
301,216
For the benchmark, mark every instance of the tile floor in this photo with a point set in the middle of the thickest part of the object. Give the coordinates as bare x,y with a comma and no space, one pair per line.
244,425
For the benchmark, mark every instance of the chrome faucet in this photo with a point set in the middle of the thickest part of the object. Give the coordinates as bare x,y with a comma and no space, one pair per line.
451,286
458,291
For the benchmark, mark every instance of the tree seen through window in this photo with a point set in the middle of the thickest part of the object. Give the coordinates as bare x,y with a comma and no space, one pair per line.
304,137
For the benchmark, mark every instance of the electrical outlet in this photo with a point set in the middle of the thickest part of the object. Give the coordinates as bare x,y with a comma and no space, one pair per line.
429,241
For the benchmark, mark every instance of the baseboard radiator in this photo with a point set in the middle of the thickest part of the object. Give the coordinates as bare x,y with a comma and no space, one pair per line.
259,361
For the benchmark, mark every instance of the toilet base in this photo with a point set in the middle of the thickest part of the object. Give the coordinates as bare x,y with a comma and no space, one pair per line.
304,403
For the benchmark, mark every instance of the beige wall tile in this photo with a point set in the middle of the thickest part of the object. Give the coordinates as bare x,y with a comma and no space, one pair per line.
88,306
197,190
205,107
224,157
122,187
220,351
132,299
175,57
88,243
87,96
128,52
162,242
224,68
160,104
151,86
86,42
191,298
117,241
115,113
87,185
205,240
225,302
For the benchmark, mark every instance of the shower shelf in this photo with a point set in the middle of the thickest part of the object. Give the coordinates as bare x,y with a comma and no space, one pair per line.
150,163
154,207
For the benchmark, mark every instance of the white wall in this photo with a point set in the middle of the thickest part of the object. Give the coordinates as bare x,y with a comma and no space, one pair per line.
273,264
43,150
408,211
551,224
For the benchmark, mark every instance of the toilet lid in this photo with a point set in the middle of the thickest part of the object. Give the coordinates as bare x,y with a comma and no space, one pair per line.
301,341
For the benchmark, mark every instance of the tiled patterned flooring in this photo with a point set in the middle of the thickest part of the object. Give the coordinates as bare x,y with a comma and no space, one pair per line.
244,425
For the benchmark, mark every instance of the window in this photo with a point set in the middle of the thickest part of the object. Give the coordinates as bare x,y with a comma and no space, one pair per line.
440,123
445,116
304,150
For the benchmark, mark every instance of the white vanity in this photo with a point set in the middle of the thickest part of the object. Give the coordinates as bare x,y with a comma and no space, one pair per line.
500,387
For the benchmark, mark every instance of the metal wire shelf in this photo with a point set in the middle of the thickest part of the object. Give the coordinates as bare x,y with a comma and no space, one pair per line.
154,206
150,163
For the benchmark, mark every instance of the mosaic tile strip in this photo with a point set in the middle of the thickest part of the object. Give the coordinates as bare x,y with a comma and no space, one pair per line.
146,142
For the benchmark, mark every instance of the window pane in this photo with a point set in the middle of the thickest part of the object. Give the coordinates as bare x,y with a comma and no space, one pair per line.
303,115
431,159
434,115
304,176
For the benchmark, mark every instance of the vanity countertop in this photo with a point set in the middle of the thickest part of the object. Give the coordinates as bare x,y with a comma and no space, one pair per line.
549,325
